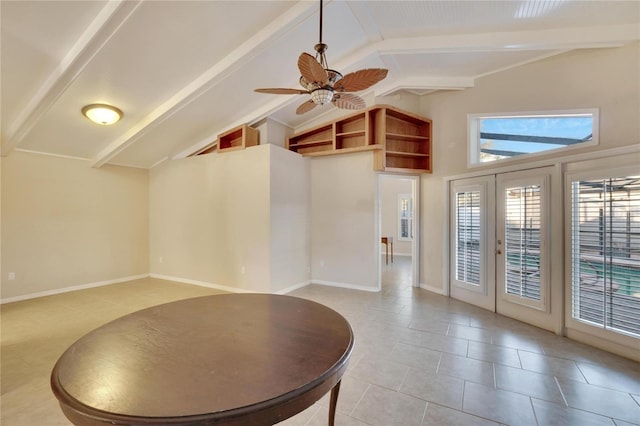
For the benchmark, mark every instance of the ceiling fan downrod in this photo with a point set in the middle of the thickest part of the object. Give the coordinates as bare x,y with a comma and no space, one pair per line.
321,47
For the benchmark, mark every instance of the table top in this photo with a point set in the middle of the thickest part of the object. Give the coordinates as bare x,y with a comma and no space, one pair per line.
231,357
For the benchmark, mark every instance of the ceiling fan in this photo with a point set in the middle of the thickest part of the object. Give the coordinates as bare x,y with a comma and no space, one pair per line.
327,85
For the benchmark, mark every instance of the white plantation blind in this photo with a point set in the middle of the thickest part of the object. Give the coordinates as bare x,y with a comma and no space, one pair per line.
468,237
605,250
523,219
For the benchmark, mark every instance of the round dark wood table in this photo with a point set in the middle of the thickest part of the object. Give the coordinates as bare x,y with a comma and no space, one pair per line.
232,359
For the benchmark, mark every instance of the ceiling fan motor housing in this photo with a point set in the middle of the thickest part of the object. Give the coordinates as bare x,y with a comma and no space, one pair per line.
322,93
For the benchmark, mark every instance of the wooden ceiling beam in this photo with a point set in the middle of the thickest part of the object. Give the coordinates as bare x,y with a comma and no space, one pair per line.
213,76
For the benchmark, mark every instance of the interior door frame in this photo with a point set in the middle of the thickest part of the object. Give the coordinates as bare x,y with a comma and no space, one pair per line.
415,244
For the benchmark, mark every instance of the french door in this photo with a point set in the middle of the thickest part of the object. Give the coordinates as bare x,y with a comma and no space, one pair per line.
472,268
501,244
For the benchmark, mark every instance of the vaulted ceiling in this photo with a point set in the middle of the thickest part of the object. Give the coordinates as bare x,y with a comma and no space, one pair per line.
184,71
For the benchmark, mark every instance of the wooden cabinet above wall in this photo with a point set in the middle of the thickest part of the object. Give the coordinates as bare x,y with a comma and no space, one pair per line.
240,137
401,140
348,134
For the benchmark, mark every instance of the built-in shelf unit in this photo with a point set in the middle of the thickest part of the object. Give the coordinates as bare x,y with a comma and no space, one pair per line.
237,138
401,140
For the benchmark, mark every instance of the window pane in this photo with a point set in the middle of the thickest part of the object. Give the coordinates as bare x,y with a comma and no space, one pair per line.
405,217
468,237
606,253
522,241
498,137
404,228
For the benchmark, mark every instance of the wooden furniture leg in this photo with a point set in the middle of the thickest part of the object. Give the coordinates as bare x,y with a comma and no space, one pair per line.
385,241
333,402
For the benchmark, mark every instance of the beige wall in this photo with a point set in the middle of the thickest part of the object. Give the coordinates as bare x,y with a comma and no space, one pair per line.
343,249
65,224
290,220
212,222
605,78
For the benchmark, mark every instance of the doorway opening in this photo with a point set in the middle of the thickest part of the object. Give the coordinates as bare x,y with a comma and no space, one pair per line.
398,231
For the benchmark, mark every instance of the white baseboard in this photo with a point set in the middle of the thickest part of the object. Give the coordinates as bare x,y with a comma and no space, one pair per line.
72,288
345,285
437,290
293,287
617,348
200,283
181,280
224,287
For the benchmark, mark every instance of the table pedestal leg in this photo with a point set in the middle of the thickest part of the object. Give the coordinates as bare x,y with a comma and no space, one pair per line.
333,402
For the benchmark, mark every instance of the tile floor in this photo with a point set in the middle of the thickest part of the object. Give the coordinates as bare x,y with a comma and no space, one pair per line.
419,359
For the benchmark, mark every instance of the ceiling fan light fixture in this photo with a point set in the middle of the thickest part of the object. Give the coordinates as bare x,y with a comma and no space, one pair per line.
102,114
326,85
322,96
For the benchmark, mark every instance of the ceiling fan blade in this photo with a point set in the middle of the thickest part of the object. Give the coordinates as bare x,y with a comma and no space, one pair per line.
279,91
311,69
348,101
360,80
306,107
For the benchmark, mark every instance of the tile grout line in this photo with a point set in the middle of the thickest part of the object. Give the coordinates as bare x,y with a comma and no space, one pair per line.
535,416
424,413
581,372
495,380
566,403
439,361
360,400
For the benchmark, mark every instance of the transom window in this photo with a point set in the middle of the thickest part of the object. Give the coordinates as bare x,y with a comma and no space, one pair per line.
500,137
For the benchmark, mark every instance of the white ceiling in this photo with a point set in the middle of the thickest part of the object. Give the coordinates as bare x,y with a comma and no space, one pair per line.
184,71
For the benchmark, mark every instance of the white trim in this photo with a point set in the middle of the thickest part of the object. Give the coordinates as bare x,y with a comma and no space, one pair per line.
69,157
432,289
346,285
585,156
224,287
446,227
48,154
416,191
293,287
200,283
615,347
157,163
72,288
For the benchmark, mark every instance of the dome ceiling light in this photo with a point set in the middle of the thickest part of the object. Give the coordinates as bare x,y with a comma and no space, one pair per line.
102,113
